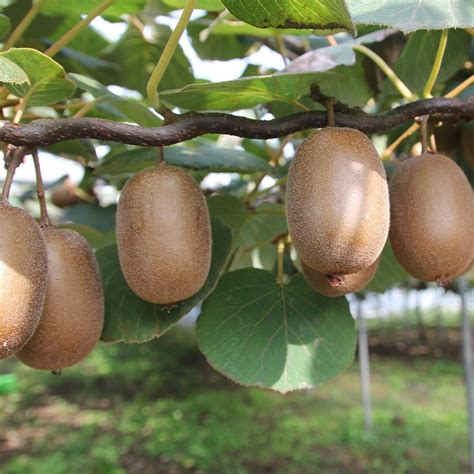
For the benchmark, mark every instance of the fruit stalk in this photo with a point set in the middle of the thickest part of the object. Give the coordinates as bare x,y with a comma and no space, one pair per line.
40,190
13,159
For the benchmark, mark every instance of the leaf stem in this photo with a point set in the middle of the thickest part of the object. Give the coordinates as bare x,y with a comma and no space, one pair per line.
436,65
24,24
44,220
204,34
76,29
389,72
281,255
166,56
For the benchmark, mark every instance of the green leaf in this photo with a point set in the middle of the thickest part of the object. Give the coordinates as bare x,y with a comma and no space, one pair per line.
4,26
10,73
247,92
229,209
282,338
47,82
218,47
136,58
328,57
114,11
254,230
322,14
389,274
416,61
124,109
209,5
130,319
353,90
410,15
208,158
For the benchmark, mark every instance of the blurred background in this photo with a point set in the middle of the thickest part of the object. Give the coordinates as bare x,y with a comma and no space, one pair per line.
160,408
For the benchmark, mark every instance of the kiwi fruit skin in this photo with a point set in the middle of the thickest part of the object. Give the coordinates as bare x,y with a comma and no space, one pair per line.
337,202
164,235
350,284
432,217
23,278
73,314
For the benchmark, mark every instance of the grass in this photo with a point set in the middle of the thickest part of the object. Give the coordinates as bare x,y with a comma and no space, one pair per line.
159,408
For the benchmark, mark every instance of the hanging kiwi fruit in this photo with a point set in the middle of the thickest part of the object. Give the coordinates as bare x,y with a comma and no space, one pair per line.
163,235
337,205
23,269
432,217
73,313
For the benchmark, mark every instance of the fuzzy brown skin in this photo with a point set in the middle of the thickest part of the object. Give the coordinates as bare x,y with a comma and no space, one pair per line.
337,202
164,235
73,314
432,212
350,283
23,278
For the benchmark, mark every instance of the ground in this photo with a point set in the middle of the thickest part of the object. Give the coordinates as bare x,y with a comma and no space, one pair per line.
159,408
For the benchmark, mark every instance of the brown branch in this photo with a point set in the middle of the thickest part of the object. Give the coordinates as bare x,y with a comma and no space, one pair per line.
45,132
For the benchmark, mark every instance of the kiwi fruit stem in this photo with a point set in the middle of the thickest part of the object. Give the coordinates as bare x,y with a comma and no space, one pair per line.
330,112
40,190
13,159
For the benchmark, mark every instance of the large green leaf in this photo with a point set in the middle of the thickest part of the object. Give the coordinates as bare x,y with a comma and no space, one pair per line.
282,338
71,8
417,58
113,104
137,56
47,82
315,14
389,274
130,319
208,158
410,15
247,92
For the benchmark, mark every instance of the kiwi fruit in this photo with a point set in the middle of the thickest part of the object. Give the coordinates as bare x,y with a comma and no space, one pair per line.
23,277
432,218
163,235
337,202
327,285
73,314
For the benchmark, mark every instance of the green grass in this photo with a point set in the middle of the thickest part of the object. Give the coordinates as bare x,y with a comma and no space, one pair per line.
158,408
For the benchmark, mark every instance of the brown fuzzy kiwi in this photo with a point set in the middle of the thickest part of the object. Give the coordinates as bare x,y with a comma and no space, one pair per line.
164,235
327,286
337,202
73,314
23,278
432,218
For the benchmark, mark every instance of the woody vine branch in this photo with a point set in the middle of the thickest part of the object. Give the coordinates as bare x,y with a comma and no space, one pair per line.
44,132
